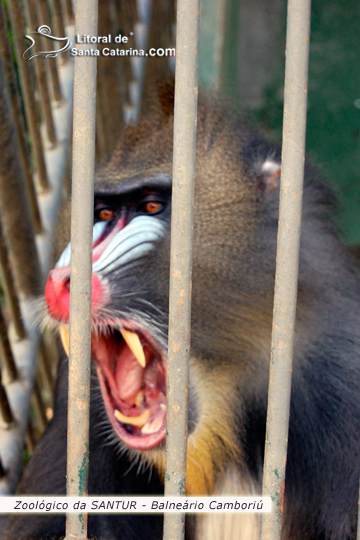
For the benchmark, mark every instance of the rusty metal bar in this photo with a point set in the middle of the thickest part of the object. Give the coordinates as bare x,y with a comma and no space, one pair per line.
17,25
30,438
58,18
9,69
41,75
7,357
287,262
9,288
84,114
5,409
186,91
52,65
14,206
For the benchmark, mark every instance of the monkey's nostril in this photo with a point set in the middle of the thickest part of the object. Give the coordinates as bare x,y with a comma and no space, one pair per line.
57,293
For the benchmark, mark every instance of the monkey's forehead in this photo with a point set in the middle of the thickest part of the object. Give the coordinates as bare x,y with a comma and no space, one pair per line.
119,184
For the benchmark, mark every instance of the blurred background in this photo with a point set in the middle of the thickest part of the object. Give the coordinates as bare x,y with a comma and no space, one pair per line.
252,72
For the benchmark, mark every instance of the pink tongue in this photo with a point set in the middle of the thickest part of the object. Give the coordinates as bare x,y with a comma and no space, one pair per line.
128,376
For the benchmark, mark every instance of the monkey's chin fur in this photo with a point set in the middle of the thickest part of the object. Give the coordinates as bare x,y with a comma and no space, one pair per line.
135,401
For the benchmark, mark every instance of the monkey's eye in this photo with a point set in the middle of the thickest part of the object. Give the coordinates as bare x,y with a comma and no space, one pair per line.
104,214
150,207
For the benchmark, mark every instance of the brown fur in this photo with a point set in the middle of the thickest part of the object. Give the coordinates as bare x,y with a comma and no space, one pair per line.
236,214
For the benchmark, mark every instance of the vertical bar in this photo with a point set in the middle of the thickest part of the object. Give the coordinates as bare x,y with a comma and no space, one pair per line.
6,352
9,288
5,410
41,75
58,18
186,92
17,25
287,261
15,102
30,438
51,66
14,205
83,163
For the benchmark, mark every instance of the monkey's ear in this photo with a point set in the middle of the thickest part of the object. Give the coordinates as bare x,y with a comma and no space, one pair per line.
268,174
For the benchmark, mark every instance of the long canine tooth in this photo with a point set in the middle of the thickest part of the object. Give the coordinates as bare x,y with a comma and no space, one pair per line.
163,406
138,421
64,335
134,344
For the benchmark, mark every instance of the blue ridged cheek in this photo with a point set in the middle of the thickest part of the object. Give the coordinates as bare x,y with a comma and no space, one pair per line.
65,257
131,243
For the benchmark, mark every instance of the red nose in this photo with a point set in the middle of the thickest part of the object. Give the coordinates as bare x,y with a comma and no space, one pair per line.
57,293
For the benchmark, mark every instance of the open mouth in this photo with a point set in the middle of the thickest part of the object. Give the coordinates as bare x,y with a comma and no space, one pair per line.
131,369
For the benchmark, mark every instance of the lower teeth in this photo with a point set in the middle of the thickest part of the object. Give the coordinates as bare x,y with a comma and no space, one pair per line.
138,421
152,427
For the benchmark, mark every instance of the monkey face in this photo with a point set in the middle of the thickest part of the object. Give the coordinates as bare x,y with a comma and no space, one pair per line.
130,224
131,252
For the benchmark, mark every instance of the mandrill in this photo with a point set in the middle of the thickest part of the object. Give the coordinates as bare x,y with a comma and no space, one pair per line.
235,229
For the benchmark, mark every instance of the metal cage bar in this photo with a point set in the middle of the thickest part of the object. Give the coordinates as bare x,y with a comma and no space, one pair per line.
51,66
15,102
7,357
287,262
82,201
41,75
12,299
20,290
185,118
17,25
5,410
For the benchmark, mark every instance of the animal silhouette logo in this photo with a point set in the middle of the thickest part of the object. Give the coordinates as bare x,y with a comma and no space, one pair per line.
45,31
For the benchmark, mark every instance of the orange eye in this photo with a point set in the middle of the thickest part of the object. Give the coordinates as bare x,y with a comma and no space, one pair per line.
106,213
153,206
